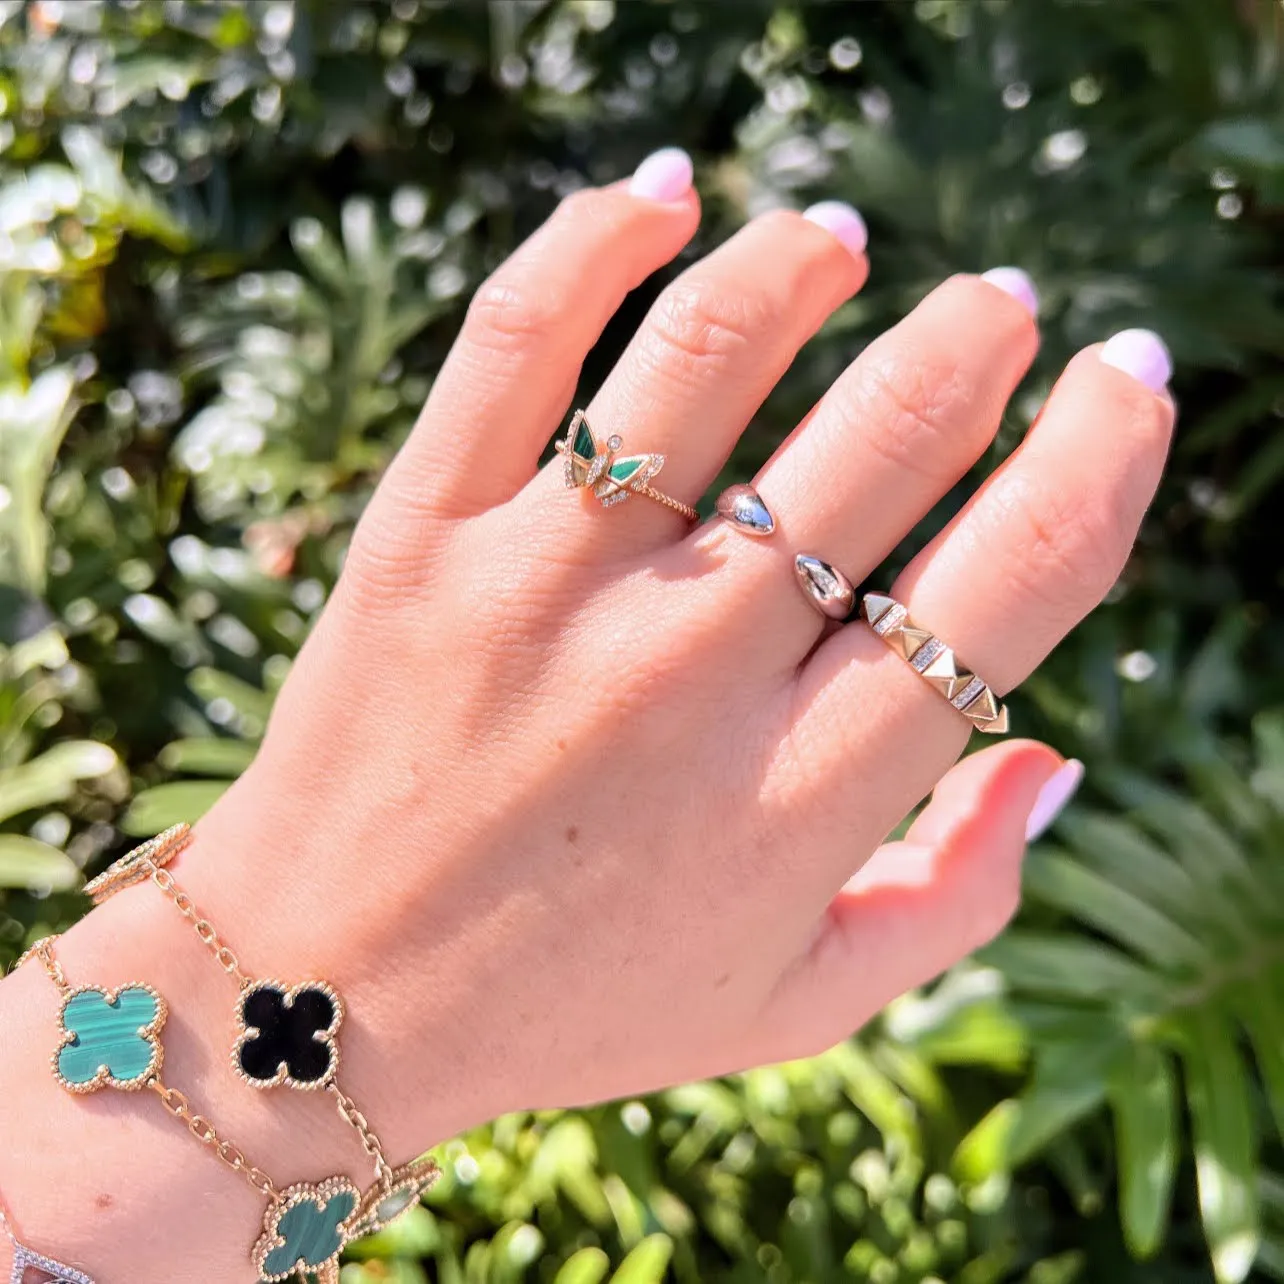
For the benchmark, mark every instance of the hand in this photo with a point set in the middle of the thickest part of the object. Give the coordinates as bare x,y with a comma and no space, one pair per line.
586,787
569,802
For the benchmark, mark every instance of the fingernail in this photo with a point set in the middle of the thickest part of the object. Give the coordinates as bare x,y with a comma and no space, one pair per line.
1011,280
1057,790
842,221
664,175
1142,354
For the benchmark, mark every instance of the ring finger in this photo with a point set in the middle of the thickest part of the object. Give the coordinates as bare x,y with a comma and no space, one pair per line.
1034,550
900,427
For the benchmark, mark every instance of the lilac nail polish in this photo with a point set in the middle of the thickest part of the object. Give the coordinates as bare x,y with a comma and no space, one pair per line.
1057,790
1142,354
842,221
1011,280
664,175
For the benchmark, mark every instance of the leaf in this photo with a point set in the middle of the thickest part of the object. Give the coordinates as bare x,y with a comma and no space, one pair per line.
165,805
1247,140
1058,963
34,422
1261,1009
53,776
1218,1086
1143,1094
647,1263
29,864
588,1266
1064,883
207,756
251,703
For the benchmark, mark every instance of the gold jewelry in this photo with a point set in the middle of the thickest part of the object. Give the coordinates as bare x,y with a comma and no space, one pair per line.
742,508
287,1035
929,657
27,1259
104,1043
824,586
610,476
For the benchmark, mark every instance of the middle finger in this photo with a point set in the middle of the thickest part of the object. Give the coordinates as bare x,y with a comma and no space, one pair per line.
897,430
710,351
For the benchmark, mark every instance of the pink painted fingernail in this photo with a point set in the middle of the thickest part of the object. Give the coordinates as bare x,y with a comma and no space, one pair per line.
1057,790
664,175
1142,354
1011,280
842,221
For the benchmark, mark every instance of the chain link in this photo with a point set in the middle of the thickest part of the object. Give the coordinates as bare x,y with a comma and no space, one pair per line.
206,1134
43,950
370,1143
204,928
667,500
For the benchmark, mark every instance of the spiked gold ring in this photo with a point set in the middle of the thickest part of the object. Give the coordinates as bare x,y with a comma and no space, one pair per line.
612,477
930,658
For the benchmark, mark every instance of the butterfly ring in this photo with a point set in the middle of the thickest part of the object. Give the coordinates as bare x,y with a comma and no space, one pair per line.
611,476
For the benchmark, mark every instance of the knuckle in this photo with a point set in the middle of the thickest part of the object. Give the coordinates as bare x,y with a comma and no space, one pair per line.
1067,544
702,324
909,407
586,207
508,312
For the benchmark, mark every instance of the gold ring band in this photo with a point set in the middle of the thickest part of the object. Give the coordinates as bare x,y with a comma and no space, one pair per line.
612,477
931,659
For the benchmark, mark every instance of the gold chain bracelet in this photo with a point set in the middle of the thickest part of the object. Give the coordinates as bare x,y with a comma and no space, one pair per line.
286,1036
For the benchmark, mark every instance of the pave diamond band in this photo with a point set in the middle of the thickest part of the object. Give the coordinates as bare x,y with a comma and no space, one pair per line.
933,660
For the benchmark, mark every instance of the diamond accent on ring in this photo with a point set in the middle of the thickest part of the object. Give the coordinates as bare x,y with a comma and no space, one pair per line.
963,698
926,654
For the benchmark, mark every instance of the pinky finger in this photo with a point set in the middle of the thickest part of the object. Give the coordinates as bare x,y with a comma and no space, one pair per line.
919,906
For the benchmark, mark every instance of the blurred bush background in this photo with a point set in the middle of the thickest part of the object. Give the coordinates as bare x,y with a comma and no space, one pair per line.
236,239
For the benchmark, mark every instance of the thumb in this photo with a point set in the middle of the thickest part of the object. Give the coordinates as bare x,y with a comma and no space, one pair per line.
920,905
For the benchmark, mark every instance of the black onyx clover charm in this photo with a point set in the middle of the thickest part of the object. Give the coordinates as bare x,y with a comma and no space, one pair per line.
288,1035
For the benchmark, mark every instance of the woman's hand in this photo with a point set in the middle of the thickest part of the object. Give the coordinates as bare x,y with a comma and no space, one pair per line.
586,786
572,802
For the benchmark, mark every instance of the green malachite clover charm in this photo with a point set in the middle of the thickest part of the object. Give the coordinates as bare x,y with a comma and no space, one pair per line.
110,1038
306,1230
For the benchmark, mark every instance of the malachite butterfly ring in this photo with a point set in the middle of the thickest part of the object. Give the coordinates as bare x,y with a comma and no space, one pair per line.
612,477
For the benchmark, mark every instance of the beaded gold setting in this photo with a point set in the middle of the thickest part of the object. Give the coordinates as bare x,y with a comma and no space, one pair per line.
136,866
312,1201
104,1076
287,1036
325,1035
936,663
381,1207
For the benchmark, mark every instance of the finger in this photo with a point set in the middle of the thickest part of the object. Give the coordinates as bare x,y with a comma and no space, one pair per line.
510,376
921,905
1034,550
898,429
713,347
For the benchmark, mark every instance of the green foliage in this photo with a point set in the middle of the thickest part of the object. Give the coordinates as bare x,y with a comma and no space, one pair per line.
1176,983
236,238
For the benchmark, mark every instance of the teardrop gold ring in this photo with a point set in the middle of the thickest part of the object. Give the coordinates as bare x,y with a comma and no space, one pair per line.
932,660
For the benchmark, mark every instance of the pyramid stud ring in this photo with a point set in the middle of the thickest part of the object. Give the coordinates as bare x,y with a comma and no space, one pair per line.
824,586
598,466
932,660
743,509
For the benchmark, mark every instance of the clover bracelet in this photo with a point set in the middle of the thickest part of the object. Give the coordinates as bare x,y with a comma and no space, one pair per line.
286,1036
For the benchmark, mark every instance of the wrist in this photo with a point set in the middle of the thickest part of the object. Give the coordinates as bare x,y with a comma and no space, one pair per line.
91,1172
